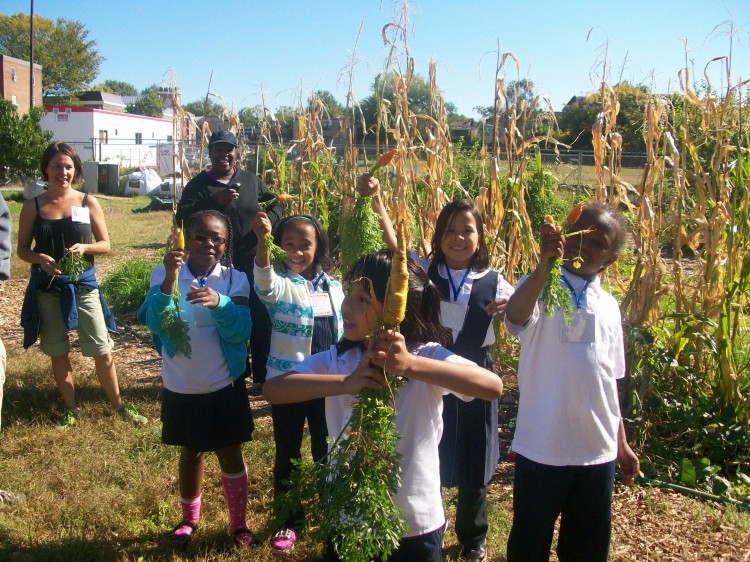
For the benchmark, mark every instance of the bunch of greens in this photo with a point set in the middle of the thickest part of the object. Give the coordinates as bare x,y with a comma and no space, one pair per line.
277,255
175,328
351,494
72,265
360,230
554,294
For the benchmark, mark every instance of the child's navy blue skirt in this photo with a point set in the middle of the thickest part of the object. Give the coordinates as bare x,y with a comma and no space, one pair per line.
207,422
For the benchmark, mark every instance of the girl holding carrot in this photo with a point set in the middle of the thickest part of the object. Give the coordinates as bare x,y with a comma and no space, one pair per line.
204,403
429,372
304,303
473,297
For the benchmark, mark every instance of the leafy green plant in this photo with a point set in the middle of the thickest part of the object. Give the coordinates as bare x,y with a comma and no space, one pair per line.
126,287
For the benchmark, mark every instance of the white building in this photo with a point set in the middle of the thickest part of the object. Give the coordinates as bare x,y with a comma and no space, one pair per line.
109,136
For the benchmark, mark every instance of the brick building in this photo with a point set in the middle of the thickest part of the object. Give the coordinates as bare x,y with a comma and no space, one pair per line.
15,83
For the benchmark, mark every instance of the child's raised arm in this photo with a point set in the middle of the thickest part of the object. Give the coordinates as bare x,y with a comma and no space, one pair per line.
262,226
521,304
368,185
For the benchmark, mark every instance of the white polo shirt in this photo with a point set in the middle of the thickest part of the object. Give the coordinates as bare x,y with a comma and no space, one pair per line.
207,370
568,410
419,423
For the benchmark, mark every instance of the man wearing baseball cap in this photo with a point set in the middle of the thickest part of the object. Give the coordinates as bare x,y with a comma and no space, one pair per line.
235,192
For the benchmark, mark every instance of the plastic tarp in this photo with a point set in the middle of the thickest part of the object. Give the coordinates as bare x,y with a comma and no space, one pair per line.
143,182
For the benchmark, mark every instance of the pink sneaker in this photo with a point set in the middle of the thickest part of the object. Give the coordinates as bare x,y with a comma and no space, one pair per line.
283,541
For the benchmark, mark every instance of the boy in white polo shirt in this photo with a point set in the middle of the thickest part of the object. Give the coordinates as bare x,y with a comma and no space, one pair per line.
569,434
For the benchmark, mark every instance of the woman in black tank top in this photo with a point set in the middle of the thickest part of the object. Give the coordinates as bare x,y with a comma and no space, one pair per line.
60,221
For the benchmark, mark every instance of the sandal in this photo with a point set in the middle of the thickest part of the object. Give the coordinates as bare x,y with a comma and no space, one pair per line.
283,541
183,539
243,537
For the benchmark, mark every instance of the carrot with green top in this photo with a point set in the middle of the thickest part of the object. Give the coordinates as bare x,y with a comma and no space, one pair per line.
174,327
554,295
351,494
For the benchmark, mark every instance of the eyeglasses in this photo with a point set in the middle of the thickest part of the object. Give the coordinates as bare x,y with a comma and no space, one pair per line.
203,239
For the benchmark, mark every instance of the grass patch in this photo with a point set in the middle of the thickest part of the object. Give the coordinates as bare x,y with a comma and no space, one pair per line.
126,287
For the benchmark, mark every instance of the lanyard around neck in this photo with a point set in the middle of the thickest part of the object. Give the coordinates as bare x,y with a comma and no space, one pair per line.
317,280
457,290
577,298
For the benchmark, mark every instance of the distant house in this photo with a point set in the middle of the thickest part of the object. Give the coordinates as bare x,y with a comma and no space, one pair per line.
110,136
329,128
103,100
14,85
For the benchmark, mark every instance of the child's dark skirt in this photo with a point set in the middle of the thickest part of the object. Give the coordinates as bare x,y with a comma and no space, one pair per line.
207,422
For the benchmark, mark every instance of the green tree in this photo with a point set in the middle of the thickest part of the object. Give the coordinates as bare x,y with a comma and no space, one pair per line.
149,103
22,140
70,61
419,97
116,87
250,116
579,114
198,107
285,116
331,106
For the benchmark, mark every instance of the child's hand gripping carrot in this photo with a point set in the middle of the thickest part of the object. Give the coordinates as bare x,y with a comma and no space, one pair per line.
268,252
554,295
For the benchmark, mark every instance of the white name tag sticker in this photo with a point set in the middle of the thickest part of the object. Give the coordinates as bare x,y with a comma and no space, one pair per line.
582,328
81,215
321,304
453,315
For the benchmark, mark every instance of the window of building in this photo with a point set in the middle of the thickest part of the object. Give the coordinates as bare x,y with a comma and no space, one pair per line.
13,100
103,136
13,75
138,138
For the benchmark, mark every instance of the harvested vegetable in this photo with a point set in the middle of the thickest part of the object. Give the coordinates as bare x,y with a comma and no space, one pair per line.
360,232
384,160
276,254
554,294
394,307
174,327
352,494
71,265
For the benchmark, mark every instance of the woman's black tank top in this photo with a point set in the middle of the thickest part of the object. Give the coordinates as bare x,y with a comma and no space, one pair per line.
54,236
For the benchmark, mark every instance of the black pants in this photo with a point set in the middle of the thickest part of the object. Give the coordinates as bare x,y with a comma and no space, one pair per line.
260,336
422,548
288,429
582,495
471,516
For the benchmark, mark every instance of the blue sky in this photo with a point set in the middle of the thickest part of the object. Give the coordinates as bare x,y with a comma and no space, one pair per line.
281,50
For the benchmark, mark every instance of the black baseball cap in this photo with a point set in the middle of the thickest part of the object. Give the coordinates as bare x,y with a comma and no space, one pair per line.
222,137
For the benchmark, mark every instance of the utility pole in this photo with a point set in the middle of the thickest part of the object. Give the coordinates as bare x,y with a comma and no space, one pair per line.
31,57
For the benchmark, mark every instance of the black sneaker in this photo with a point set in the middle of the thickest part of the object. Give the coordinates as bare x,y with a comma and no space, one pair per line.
478,554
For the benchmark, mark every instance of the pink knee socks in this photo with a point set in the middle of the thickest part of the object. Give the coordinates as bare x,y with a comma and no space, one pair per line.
235,491
191,513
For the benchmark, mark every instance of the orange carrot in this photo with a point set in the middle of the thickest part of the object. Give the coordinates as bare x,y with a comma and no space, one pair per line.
384,160
574,214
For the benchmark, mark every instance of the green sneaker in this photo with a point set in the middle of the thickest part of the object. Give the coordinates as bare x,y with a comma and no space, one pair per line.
67,420
129,413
